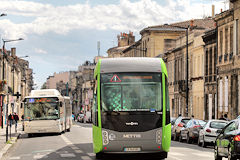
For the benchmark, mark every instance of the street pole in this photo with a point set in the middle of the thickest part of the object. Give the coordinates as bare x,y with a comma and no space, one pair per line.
3,77
187,71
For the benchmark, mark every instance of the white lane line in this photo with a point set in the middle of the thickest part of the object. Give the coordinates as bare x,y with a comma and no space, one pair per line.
49,150
78,151
15,158
67,155
66,140
204,155
40,156
91,154
175,158
175,154
86,158
75,148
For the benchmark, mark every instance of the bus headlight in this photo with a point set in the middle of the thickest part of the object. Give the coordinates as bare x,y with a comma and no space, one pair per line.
105,137
112,137
159,137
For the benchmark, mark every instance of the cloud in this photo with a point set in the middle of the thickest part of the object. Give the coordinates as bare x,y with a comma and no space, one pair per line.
40,51
124,16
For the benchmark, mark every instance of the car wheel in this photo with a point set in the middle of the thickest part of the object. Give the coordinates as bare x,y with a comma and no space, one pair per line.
230,156
204,144
180,137
189,139
199,143
99,155
216,156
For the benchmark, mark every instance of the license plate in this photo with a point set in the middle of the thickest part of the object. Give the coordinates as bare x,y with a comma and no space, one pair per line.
132,149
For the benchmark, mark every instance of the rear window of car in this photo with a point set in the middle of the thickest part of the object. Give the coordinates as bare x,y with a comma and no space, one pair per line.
218,125
199,122
185,121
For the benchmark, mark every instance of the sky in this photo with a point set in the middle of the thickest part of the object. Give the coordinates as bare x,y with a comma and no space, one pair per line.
60,35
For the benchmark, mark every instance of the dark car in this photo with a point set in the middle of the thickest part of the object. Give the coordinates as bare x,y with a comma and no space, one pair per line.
227,143
190,131
178,125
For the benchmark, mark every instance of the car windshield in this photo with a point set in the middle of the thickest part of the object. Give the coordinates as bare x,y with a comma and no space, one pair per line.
218,125
199,122
41,109
185,121
131,92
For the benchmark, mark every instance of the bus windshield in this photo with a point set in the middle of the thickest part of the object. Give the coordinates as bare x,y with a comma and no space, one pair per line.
41,108
131,92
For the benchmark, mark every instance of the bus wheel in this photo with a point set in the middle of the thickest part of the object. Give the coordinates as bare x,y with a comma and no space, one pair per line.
99,155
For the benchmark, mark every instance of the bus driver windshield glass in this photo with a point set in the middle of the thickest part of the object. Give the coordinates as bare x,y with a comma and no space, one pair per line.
41,108
131,92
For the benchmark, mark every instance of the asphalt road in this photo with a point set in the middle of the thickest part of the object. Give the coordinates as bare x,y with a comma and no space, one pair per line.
77,144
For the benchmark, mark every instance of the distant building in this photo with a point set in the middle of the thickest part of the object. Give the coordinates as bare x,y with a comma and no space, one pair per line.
57,77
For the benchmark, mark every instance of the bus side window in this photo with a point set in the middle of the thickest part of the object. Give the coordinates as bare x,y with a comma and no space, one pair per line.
167,102
95,106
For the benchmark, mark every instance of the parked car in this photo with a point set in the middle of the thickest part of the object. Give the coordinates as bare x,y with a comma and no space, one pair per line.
208,134
227,143
80,117
190,131
180,121
173,119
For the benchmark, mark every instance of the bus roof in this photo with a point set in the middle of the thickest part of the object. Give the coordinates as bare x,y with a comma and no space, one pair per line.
45,93
130,64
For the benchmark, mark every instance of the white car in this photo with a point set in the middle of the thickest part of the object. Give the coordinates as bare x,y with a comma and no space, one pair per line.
210,131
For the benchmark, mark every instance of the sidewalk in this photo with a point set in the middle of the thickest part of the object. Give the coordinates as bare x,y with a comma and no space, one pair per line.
4,147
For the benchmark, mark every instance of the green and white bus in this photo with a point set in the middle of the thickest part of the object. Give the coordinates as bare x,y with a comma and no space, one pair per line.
130,111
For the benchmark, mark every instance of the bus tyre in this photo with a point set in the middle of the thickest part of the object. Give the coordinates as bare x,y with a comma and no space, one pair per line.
99,155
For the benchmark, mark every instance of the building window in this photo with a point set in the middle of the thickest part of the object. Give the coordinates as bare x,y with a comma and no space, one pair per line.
231,39
210,61
226,40
221,42
206,62
168,43
215,59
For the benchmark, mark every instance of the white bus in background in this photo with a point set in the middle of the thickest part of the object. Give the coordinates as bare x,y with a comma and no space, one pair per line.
47,111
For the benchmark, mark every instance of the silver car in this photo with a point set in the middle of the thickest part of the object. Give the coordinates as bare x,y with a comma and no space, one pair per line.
210,131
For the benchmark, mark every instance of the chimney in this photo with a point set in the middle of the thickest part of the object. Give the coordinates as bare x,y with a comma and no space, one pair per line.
213,11
13,52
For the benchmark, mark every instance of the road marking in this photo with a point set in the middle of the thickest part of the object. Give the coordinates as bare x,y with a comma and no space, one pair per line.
75,148
40,151
203,155
175,158
86,158
78,151
14,158
66,140
67,155
40,156
175,154
91,154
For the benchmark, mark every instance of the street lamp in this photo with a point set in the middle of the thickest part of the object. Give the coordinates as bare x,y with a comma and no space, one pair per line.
1,116
3,69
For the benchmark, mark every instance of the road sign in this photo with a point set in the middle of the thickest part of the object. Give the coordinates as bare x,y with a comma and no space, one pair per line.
115,78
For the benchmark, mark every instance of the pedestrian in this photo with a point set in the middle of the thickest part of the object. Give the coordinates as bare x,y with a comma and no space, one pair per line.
10,119
16,118
22,122
179,115
192,116
221,118
225,117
